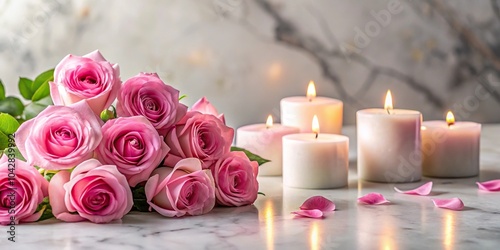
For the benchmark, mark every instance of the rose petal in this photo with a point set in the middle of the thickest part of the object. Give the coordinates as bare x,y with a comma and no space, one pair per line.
490,186
313,213
373,199
422,190
318,202
452,204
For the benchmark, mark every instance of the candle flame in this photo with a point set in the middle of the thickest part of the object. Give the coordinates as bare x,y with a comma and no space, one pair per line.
269,122
450,118
315,125
388,102
311,91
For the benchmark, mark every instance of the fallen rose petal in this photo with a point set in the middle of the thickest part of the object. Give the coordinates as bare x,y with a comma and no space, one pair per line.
318,202
452,204
422,190
490,186
373,199
313,213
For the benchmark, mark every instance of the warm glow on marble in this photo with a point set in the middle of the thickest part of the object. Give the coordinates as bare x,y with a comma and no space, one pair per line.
275,71
449,230
387,235
314,237
269,220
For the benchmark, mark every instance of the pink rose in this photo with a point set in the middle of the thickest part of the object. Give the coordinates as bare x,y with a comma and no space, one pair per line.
235,180
133,145
22,189
60,137
92,191
147,95
200,136
205,107
185,189
89,77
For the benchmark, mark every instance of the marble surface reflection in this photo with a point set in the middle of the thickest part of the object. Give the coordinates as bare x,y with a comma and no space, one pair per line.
409,222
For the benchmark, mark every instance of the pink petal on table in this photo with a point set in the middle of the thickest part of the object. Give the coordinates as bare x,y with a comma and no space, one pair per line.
318,202
490,186
452,204
422,190
313,213
373,199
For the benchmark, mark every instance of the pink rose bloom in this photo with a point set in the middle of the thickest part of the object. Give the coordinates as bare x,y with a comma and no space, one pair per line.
22,189
133,145
60,137
92,191
199,136
186,189
147,95
205,107
89,77
235,180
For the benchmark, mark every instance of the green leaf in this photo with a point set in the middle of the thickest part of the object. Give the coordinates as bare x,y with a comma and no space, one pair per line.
41,79
140,202
47,209
4,141
182,97
46,101
261,193
12,105
18,154
2,90
48,176
251,156
33,109
42,92
8,124
24,85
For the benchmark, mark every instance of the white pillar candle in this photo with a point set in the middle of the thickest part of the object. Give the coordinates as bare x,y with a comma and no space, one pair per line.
265,140
298,111
316,161
450,149
389,144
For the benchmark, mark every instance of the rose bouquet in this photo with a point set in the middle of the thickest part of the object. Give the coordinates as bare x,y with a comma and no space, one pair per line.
70,154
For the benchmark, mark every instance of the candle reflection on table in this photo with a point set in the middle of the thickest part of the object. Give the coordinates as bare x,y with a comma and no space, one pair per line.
269,220
449,230
314,236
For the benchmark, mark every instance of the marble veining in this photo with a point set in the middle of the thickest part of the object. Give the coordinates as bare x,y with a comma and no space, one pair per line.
246,55
409,222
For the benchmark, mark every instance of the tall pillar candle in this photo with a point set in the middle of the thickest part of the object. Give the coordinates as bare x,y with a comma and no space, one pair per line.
265,140
298,111
315,161
389,143
450,149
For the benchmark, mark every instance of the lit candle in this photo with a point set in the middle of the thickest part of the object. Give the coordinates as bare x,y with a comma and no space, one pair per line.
298,111
450,149
389,144
265,140
315,160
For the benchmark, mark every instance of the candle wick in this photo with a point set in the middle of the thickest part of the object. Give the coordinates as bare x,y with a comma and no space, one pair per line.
317,135
388,111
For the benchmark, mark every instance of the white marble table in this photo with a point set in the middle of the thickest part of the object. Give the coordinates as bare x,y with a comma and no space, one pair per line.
408,223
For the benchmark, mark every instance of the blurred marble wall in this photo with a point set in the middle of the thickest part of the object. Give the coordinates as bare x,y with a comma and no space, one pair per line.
245,55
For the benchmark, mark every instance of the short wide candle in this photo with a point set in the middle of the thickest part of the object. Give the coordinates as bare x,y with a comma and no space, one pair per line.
450,150
266,141
316,163
298,111
389,145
